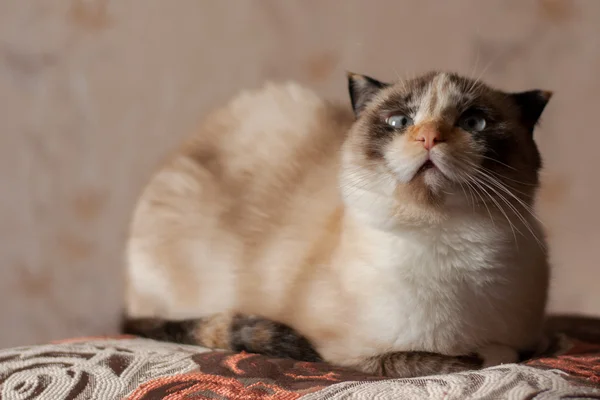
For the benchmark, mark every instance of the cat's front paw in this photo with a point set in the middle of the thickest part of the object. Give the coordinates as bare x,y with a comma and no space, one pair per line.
497,354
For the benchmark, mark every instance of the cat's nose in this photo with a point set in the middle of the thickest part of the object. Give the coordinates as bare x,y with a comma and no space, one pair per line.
429,136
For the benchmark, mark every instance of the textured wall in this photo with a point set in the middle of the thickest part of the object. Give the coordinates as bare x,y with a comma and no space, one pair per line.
93,94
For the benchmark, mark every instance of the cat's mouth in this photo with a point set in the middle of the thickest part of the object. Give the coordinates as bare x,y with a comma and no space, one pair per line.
427,165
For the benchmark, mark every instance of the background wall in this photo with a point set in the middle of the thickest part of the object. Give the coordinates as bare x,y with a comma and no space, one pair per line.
93,94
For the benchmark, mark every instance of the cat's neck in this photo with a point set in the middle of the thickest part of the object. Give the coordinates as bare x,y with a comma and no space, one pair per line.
434,240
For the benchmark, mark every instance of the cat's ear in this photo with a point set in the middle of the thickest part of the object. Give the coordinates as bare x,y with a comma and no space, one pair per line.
362,90
531,104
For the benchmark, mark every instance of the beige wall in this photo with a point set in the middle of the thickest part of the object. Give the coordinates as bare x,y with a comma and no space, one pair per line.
93,93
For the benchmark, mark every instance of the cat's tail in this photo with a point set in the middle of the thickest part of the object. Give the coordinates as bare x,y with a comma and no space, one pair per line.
227,331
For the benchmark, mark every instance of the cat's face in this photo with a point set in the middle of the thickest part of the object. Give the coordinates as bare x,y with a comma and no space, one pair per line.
440,139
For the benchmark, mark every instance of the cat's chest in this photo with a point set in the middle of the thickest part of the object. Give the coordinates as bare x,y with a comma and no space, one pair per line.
414,289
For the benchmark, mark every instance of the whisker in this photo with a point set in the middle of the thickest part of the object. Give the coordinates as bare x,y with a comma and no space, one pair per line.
482,168
503,187
513,228
510,179
499,162
485,181
515,211
465,193
485,204
485,173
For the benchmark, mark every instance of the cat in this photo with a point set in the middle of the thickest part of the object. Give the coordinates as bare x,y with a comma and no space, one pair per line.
395,237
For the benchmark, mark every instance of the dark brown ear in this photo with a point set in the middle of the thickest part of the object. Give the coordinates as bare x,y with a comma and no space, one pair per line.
362,89
531,105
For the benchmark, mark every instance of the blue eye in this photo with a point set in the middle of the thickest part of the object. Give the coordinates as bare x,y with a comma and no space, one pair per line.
398,121
472,123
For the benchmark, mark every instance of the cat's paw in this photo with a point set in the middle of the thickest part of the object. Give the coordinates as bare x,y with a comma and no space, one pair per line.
497,354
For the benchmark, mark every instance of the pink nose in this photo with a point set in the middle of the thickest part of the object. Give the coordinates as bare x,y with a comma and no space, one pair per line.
430,136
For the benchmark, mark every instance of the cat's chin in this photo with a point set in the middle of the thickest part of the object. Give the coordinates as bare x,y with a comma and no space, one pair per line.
430,175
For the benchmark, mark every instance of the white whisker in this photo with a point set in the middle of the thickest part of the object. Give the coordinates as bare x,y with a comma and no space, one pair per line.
516,212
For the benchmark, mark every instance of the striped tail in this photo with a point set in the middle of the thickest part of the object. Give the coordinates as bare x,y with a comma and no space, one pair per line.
233,332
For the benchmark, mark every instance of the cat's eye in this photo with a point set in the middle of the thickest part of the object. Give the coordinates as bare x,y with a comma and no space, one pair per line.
472,122
398,121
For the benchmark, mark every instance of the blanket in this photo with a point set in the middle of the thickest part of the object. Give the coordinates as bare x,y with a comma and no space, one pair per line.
125,367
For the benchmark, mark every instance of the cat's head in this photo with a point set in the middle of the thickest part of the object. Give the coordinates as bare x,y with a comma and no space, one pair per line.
438,141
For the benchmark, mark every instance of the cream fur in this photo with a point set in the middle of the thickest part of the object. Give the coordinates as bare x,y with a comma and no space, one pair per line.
270,209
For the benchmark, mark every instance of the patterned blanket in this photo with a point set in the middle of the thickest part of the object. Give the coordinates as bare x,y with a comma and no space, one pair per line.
131,368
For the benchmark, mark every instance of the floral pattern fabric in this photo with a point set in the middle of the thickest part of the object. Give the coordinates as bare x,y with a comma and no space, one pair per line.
139,369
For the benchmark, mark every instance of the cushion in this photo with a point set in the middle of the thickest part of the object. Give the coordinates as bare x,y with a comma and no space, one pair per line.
125,367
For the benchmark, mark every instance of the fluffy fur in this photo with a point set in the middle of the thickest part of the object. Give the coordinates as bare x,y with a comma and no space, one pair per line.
367,244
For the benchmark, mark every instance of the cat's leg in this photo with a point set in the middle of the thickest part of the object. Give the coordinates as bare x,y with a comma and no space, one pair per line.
417,363
228,331
410,364
497,354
